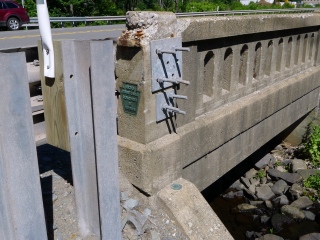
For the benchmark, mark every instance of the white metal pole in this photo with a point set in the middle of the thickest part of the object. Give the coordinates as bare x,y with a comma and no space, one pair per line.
46,37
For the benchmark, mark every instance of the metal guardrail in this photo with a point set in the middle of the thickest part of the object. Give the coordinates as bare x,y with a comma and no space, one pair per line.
61,20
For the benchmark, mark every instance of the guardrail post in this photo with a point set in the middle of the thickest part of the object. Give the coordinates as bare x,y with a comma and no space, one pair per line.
21,206
80,112
105,132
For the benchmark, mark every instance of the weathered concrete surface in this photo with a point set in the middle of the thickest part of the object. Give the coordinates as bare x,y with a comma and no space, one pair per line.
191,211
207,148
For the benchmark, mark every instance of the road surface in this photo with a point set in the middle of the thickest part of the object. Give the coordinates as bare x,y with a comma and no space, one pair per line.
29,38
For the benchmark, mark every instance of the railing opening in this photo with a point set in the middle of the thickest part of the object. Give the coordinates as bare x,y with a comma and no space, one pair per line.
208,76
226,72
257,60
304,52
268,58
289,49
311,46
296,57
279,55
243,65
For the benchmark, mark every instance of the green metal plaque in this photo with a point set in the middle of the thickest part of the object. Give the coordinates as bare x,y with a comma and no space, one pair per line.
130,97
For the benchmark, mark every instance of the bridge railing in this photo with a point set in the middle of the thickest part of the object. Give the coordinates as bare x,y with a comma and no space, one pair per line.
107,19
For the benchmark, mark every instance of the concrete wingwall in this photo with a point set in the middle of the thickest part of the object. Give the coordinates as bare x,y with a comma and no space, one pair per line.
251,77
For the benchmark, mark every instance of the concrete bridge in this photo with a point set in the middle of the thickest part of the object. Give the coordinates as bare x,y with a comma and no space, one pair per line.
251,77
196,96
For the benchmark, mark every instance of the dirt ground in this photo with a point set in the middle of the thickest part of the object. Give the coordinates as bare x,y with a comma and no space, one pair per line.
140,217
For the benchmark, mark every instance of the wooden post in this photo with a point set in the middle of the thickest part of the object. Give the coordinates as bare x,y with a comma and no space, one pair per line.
21,206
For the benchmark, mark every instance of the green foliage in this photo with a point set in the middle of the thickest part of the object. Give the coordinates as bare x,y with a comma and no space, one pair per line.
260,174
312,145
313,182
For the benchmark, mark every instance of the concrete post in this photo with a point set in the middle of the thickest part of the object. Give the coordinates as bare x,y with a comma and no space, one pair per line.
21,206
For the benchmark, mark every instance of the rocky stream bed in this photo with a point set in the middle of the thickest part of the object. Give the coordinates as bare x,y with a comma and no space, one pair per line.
270,201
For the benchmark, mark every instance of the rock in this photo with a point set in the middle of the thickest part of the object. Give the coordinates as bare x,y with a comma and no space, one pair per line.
270,237
293,212
295,191
305,173
309,215
255,203
279,147
310,236
252,188
281,169
302,202
239,193
282,200
237,185
264,192
278,220
249,194
297,164
268,204
245,181
263,180
264,219
124,196
251,173
278,187
54,198
249,234
254,181
288,177
228,195
246,207
130,204
264,161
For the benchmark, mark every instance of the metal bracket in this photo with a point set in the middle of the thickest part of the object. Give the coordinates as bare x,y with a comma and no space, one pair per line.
166,63
165,106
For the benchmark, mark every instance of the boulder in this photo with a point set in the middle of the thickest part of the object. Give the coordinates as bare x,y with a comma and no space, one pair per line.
293,212
264,192
251,173
288,177
310,236
268,204
309,215
297,164
264,161
279,187
237,185
245,207
270,237
302,202
305,173
245,181
282,200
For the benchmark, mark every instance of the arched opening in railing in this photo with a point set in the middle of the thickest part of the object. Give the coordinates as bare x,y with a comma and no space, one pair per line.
257,60
226,71
311,46
279,55
208,71
296,56
304,50
243,65
289,49
268,58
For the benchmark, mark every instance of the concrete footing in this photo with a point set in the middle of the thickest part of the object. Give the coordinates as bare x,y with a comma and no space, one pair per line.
185,204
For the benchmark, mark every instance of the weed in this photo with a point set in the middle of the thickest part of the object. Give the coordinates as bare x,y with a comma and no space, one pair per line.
260,174
312,145
271,230
313,181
